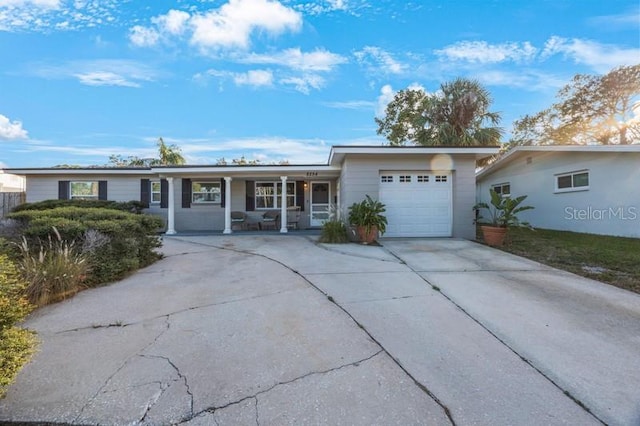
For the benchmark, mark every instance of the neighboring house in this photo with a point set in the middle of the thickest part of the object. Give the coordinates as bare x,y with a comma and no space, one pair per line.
11,182
428,191
586,188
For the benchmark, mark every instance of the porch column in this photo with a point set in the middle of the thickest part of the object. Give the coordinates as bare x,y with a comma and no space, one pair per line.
171,209
227,205
283,206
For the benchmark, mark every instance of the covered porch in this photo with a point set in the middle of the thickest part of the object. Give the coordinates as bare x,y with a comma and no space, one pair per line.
231,199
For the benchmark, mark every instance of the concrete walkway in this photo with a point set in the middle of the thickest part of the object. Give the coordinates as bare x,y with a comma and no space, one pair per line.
280,330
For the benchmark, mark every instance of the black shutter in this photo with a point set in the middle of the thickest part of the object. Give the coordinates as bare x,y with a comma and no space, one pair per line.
186,193
251,196
164,193
223,193
145,196
300,194
102,190
63,189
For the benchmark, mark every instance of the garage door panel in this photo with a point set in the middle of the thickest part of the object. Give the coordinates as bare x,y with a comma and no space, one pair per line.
420,209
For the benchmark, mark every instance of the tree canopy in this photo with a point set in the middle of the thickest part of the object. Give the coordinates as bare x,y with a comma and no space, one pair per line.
168,155
458,114
603,109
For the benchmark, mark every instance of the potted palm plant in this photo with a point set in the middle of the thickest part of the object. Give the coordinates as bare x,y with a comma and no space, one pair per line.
504,215
367,216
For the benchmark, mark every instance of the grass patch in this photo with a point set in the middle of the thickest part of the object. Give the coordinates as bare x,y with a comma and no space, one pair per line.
612,260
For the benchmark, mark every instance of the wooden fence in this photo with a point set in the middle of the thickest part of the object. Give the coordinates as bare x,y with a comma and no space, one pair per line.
8,200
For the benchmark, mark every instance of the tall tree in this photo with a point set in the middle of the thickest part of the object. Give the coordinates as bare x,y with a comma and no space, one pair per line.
602,109
458,114
168,155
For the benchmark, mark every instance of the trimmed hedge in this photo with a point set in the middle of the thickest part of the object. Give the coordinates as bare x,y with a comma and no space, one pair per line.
131,239
128,206
16,345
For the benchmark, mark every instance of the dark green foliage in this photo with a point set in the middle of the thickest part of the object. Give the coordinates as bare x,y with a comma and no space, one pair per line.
334,232
129,239
504,210
129,206
368,213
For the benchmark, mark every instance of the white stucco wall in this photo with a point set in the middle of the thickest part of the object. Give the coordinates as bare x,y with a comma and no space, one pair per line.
11,183
611,205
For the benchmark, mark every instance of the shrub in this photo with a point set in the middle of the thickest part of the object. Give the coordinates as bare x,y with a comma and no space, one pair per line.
129,240
54,271
334,232
128,206
16,345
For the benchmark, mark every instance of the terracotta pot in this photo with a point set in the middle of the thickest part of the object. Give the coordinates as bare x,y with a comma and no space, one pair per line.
367,238
493,235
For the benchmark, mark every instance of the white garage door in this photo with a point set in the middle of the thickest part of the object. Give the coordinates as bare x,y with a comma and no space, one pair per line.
418,203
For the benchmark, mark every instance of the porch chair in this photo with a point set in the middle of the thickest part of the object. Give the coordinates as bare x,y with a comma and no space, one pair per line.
293,217
270,219
238,220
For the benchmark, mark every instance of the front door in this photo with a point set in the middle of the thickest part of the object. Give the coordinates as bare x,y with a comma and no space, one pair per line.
320,197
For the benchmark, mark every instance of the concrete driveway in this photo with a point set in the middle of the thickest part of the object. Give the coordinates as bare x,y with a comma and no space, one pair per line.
280,330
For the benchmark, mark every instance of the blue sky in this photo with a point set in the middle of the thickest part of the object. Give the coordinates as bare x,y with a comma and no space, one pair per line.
83,79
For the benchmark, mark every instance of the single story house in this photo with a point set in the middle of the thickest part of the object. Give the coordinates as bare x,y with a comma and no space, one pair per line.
581,188
428,191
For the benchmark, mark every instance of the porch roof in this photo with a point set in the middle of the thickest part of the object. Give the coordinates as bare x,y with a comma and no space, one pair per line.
297,171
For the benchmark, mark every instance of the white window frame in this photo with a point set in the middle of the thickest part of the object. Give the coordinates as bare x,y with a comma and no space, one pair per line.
205,182
501,186
152,192
276,195
95,185
572,188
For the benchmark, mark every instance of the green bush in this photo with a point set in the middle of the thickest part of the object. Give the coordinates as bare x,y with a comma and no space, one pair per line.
54,271
129,240
16,345
334,232
128,206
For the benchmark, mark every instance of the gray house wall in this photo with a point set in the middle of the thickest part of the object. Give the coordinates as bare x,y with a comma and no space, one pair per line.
360,177
119,188
611,205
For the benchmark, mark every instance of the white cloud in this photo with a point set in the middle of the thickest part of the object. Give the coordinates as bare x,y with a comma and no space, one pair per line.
601,57
51,15
527,79
630,19
254,78
143,37
103,78
230,26
377,60
101,72
386,96
483,52
174,22
304,83
350,104
11,130
317,60
50,4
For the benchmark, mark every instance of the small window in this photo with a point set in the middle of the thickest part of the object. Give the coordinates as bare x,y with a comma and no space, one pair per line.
503,189
155,191
84,190
386,179
405,178
205,192
575,181
423,178
441,178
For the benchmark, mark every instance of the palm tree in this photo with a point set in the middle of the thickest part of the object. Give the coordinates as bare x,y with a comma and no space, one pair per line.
168,155
458,114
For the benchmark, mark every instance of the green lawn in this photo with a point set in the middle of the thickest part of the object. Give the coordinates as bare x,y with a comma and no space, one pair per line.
613,260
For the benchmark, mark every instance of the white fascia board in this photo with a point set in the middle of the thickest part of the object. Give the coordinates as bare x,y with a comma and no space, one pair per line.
247,170
338,152
56,171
